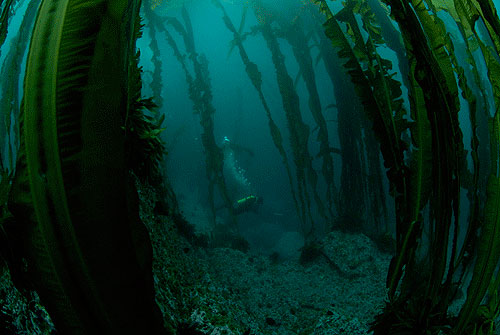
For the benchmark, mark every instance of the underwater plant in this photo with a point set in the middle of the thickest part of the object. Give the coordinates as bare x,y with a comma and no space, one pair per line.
306,178
256,78
201,96
156,82
10,73
143,128
7,8
435,171
84,125
75,209
294,32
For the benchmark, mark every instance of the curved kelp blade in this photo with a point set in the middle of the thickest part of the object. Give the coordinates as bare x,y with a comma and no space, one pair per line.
487,258
88,256
4,19
379,92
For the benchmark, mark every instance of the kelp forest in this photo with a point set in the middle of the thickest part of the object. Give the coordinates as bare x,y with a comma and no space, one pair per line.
250,167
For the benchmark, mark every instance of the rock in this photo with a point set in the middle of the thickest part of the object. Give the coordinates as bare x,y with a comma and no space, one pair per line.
288,246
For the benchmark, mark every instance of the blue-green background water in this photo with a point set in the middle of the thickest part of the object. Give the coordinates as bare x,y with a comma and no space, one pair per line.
241,117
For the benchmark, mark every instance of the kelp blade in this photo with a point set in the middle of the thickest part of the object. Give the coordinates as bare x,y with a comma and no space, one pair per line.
88,255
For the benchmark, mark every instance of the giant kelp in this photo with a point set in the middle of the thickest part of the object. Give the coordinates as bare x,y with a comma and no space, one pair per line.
10,73
143,127
256,79
422,148
5,15
200,93
294,32
436,142
156,82
71,198
431,48
63,162
350,200
299,131
378,91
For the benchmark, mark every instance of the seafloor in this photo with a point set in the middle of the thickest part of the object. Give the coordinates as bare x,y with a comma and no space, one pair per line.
227,291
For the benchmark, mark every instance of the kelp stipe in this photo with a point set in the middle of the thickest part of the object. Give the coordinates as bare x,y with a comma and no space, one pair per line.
294,32
200,93
378,91
306,177
88,254
156,82
143,126
255,77
435,134
436,141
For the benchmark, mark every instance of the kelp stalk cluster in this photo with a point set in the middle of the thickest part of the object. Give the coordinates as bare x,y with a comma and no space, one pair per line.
430,258
200,94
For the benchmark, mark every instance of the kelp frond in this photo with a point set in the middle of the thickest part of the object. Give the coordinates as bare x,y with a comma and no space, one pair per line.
143,128
70,192
255,77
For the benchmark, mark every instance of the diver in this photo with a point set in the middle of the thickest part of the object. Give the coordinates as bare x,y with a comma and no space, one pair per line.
238,184
250,203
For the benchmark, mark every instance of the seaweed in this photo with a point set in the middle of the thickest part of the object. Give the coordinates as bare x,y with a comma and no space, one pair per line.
4,19
351,197
293,31
436,165
392,36
447,173
71,197
200,93
11,72
299,131
156,83
380,94
143,128
256,78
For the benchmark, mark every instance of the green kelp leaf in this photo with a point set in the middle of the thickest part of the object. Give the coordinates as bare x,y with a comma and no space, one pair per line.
488,248
490,17
4,19
382,102
420,177
466,13
377,90
145,148
420,182
438,43
437,93
70,192
470,97
487,255
432,48
493,73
